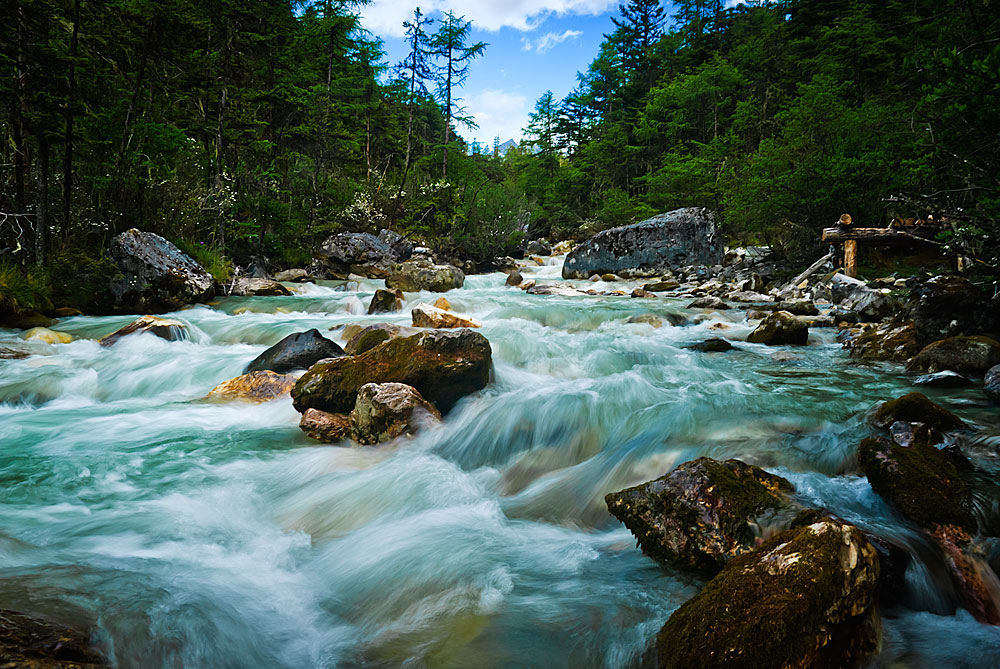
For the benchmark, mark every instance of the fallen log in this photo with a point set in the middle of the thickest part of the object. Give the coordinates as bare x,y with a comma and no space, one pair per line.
809,272
886,236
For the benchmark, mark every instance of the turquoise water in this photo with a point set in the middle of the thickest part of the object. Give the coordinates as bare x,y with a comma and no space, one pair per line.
198,534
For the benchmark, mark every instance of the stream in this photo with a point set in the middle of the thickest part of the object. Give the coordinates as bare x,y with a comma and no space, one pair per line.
197,534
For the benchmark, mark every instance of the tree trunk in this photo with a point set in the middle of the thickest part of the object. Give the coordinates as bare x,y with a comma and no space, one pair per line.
18,105
41,204
69,117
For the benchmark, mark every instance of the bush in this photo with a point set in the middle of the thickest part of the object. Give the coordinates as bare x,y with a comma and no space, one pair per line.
23,289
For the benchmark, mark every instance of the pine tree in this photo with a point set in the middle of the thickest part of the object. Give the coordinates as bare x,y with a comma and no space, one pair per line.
450,43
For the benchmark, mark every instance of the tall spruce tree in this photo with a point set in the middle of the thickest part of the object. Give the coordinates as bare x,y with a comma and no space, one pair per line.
450,43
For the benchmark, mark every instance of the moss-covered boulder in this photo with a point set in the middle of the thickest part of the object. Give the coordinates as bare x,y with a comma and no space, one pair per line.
164,328
32,643
253,387
806,598
386,301
915,408
443,365
888,342
950,305
922,482
780,328
416,275
384,411
966,355
300,350
326,427
370,336
701,514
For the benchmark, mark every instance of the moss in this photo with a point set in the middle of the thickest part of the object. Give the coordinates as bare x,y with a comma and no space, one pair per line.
915,408
699,515
971,356
889,342
780,328
795,601
919,480
370,339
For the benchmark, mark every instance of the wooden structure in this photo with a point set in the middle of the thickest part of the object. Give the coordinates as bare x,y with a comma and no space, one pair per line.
848,235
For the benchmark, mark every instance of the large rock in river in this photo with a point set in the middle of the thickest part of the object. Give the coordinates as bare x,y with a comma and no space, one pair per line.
164,328
27,642
357,252
384,411
157,276
415,275
806,598
701,514
972,356
296,351
246,286
675,239
253,387
915,408
428,316
443,365
780,328
948,306
991,384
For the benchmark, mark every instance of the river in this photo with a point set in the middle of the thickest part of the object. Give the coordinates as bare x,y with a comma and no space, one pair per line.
196,534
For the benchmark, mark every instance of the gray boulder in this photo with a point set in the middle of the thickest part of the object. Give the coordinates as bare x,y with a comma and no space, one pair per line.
384,411
296,351
357,252
947,306
400,245
416,275
254,287
675,239
157,276
868,303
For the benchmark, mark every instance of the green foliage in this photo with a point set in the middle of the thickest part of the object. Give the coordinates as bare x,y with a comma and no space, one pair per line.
210,257
81,279
23,289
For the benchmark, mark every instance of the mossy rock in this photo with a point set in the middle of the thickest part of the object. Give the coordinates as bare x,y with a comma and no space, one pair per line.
701,514
923,483
780,328
443,365
971,356
803,599
887,342
33,643
370,336
915,408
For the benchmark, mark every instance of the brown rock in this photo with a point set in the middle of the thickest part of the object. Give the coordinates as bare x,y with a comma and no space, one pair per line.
27,642
780,328
915,408
514,279
262,386
329,428
384,411
255,287
164,328
442,303
890,342
972,356
427,316
386,301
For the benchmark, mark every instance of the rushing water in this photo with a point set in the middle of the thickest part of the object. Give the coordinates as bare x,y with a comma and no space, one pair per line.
200,534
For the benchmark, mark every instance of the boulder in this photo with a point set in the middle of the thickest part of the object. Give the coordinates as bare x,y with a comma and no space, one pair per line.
27,642
329,428
640,292
708,303
713,345
371,336
13,354
662,286
384,411
164,328
67,312
946,379
922,482
972,356
442,365
677,238
296,351
416,275
948,306
794,307
514,279
560,290
427,316
357,252
806,598
293,276
538,248
386,301
701,514
157,276
48,336
402,248
253,287
915,408
889,342
780,328
869,303
253,387
442,303
991,384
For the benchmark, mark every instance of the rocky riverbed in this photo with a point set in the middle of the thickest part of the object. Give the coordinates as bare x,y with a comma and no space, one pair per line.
163,505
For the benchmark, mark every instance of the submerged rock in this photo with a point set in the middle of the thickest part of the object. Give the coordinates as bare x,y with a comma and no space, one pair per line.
946,379
296,351
806,598
386,301
514,279
372,335
416,275
12,354
257,287
443,366
48,336
677,238
965,355
384,411
701,514
427,316
708,303
254,387
328,428
157,276
889,342
780,328
164,328
991,384
27,642
713,345
915,408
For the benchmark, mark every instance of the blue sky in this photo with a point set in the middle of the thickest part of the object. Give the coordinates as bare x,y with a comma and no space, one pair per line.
534,46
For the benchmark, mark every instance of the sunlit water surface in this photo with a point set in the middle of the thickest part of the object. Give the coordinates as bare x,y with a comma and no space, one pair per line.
195,534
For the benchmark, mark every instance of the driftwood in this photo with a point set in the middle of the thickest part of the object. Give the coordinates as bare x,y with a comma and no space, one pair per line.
876,236
810,271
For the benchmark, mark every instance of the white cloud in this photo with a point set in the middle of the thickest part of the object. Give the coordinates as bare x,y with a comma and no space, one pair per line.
548,40
498,113
385,17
